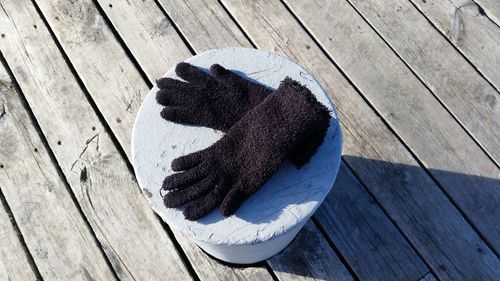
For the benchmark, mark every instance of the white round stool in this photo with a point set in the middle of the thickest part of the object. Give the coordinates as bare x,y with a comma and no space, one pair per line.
269,220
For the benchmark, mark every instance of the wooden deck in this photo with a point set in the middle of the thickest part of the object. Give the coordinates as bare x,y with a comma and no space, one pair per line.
416,84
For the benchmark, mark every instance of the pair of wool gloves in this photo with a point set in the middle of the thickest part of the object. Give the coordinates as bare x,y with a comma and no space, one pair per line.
262,128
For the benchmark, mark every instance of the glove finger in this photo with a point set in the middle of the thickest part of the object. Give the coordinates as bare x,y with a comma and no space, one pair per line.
187,161
179,197
192,73
234,198
186,97
184,179
168,98
167,82
204,205
227,77
180,115
235,81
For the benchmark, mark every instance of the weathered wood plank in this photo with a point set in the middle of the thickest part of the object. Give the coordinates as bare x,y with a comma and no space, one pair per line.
131,235
364,235
470,30
44,210
435,228
208,268
157,34
201,15
14,264
408,107
470,98
205,25
300,261
491,8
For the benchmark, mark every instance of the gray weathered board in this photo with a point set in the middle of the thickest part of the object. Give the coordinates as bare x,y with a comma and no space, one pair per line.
378,225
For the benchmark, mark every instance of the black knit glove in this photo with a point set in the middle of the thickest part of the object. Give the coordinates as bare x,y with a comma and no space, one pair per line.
218,101
236,166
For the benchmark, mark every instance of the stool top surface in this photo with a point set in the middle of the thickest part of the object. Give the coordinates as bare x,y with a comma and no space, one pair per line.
286,200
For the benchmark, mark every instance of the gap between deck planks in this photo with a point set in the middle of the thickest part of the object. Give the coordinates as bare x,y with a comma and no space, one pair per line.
148,56
491,8
15,262
452,80
41,205
470,30
131,235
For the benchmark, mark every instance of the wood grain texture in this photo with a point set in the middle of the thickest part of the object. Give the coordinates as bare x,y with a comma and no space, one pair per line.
435,228
101,63
367,239
491,8
56,235
470,30
157,33
300,261
208,268
205,24
409,108
131,235
148,55
470,98
14,264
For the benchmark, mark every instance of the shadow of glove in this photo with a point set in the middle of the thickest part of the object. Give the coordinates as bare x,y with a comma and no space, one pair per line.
236,166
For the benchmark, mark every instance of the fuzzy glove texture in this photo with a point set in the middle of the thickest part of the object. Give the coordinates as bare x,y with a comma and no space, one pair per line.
236,166
218,100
